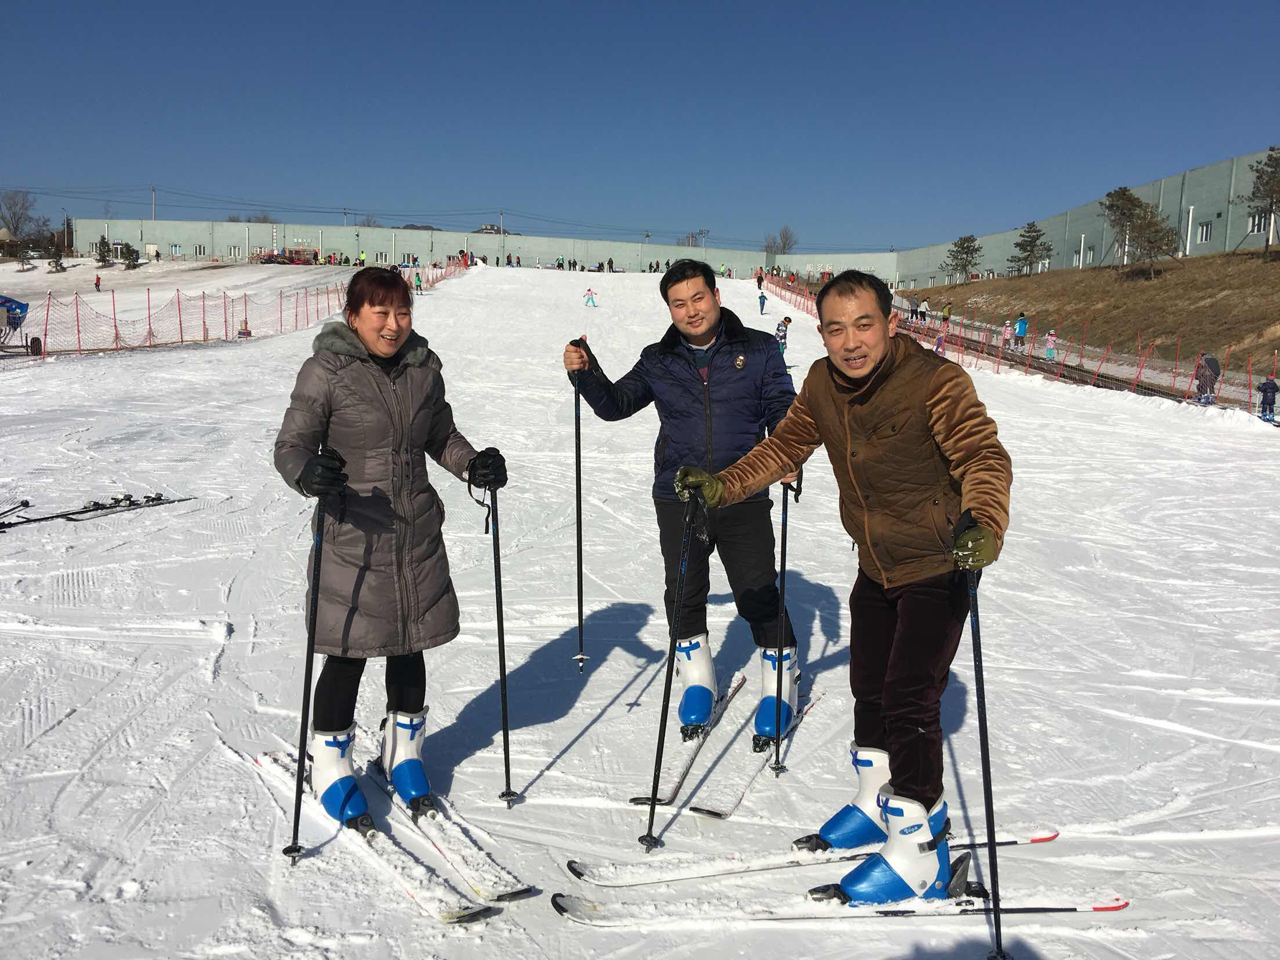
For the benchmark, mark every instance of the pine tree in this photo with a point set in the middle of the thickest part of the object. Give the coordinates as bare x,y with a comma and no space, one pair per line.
1032,249
1120,207
104,251
1264,200
964,255
1151,235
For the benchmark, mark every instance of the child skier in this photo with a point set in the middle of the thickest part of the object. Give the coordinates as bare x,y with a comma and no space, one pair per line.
1005,336
1268,390
385,589
763,298
417,282
591,298
97,283
1020,333
781,334
1051,346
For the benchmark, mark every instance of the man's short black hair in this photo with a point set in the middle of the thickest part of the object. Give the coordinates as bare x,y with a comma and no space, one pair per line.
686,269
849,282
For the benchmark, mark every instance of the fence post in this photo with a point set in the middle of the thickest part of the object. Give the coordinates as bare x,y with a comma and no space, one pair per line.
177,295
1275,355
1194,371
295,310
1249,367
306,307
1063,362
115,324
1176,356
1223,379
226,330
1138,376
1080,362
328,304
295,322
1106,353
44,344
150,339
1031,349
75,299
245,318
204,322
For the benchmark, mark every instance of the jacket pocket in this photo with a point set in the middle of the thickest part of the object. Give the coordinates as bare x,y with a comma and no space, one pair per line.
890,428
659,452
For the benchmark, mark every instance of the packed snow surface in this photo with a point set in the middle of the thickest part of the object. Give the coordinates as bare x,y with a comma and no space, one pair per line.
1129,631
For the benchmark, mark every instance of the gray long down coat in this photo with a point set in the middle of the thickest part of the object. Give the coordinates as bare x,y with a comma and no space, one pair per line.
385,588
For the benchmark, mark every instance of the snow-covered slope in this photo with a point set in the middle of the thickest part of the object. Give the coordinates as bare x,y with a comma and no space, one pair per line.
1130,635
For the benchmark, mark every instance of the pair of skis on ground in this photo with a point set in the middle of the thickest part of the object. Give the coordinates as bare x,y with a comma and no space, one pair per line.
733,776
439,824
119,503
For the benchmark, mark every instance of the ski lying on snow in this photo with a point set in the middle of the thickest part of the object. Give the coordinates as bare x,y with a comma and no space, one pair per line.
671,870
423,885
734,775
453,839
119,503
596,914
678,758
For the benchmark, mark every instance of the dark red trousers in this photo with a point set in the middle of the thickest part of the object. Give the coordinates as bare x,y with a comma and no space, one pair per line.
902,642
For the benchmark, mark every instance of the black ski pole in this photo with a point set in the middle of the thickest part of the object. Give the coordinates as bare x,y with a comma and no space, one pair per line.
648,840
998,953
509,795
577,478
294,850
777,766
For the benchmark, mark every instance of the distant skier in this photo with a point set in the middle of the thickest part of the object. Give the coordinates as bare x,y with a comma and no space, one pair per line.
611,264
591,298
385,588
1268,390
915,308
781,334
1206,379
97,283
932,496
715,384
417,282
1051,346
763,298
760,281
923,316
1006,336
1020,333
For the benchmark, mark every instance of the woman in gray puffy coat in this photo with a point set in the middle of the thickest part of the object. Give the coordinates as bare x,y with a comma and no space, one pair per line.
367,405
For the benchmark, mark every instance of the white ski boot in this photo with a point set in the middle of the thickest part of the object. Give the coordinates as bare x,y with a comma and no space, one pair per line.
767,711
698,673
915,862
333,777
401,759
860,822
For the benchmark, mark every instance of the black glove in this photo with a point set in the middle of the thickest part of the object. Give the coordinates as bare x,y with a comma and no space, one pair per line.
487,469
323,474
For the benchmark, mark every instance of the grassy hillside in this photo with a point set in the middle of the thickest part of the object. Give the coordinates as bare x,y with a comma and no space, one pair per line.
1211,302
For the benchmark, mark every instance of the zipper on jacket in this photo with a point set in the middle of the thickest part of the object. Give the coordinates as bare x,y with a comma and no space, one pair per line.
408,513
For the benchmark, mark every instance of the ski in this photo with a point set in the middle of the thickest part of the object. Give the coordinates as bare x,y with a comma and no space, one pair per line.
453,839
678,759
638,914
120,503
424,886
740,768
672,870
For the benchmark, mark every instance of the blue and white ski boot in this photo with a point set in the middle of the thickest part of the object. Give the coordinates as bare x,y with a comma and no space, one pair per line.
860,822
914,863
401,758
697,672
333,779
767,712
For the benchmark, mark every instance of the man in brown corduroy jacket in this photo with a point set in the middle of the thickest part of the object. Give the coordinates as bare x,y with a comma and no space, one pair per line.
913,452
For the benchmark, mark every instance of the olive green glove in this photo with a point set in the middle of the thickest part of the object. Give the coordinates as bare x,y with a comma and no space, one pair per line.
689,479
976,546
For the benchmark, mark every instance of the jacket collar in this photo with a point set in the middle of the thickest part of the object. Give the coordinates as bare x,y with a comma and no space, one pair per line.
864,388
336,336
731,329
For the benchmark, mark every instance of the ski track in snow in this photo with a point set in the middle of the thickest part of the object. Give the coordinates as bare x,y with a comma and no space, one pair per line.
1129,638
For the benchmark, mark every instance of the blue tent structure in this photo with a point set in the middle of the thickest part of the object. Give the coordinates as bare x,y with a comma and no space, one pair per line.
15,313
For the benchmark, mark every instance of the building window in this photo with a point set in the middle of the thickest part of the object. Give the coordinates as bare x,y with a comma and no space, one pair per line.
931,279
259,250
381,257
1088,255
1075,259
175,249
234,251
199,249
1206,231
1257,223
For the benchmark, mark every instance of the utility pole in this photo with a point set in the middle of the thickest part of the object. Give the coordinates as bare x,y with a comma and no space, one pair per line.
66,223
502,229
704,231
344,216
153,203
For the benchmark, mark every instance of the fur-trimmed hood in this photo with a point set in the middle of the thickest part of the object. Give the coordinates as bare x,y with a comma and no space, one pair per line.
336,336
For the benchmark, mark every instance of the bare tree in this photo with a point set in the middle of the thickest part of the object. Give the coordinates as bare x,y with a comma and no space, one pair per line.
787,240
368,220
17,212
771,244
233,218
262,216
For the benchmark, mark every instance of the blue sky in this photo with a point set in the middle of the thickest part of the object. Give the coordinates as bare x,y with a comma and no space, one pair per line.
860,127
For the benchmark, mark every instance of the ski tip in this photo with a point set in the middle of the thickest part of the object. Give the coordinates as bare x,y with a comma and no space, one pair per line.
522,893
645,801
1108,908
1045,838
713,814
479,912
559,902
576,869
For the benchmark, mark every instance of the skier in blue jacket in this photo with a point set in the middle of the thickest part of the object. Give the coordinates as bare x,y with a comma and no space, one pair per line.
1268,390
718,387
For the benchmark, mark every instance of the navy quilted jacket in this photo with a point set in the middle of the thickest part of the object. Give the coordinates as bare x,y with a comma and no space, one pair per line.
711,424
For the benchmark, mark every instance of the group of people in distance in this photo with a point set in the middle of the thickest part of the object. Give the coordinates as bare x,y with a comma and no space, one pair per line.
923,492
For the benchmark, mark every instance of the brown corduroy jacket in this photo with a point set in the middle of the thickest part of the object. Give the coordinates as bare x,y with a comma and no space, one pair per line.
912,447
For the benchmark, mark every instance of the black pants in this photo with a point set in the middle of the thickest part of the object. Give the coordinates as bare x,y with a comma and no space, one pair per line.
743,537
902,642
339,684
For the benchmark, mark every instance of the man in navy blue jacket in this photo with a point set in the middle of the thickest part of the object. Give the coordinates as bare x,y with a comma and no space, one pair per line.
717,387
